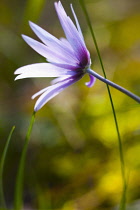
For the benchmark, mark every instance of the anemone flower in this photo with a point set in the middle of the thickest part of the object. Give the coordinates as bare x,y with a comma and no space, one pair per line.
68,58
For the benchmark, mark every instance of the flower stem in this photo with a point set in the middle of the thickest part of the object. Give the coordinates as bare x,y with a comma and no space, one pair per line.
123,200
2,200
133,96
20,174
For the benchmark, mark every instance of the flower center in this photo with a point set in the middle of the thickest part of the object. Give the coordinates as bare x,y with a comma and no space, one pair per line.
85,69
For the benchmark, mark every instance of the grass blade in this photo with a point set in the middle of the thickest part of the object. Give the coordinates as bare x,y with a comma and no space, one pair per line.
18,200
2,162
123,199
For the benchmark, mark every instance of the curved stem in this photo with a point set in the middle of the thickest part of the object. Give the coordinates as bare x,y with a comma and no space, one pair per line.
2,162
123,90
20,174
123,200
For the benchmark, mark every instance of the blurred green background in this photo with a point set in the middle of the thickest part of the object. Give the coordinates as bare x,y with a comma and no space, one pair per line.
73,158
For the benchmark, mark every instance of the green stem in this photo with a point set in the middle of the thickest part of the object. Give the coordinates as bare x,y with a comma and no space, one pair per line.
123,199
2,162
20,175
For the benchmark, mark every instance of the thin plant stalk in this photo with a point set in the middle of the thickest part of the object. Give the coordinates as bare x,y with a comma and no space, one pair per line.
18,200
2,162
105,80
123,199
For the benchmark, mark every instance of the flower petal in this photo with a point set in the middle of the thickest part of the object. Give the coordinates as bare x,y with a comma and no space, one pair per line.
39,92
42,70
53,43
77,22
43,35
72,35
54,90
67,66
59,79
52,55
65,42
91,82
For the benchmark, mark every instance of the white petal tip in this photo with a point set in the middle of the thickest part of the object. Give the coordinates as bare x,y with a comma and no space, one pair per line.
18,77
24,37
17,71
33,97
35,109
31,24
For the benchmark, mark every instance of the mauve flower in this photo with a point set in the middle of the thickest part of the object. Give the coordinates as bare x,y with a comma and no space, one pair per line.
68,57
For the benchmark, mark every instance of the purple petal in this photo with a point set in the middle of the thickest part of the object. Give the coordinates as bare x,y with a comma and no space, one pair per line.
77,22
72,35
43,35
67,66
42,70
65,43
91,82
40,92
53,42
59,79
51,54
54,90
